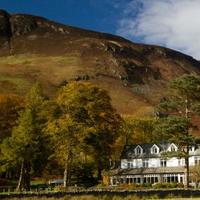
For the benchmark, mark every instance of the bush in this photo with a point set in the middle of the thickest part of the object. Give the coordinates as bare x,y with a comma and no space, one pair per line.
101,185
180,185
165,185
146,185
59,188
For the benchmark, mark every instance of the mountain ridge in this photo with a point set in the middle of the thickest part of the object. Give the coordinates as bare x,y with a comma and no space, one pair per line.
135,75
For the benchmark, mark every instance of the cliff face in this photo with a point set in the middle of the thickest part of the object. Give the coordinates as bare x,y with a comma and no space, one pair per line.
136,76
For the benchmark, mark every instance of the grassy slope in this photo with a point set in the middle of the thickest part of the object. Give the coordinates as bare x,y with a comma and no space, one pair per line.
18,73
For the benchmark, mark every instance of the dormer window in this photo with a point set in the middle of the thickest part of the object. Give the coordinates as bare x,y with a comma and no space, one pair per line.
154,149
192,149
172,147
138,150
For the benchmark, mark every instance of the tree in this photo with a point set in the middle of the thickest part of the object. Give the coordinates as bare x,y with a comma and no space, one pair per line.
64,132
195,175
87,124
27,141
10,105
175,112
138,131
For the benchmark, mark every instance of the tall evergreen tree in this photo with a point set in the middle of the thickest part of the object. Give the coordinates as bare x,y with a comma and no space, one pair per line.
175,112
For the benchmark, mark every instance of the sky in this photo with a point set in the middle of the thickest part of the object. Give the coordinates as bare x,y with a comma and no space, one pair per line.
171,23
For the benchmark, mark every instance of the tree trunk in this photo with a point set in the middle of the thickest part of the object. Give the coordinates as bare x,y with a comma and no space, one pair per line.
99,170
67,174
187,164
27,177
187,177
24,178
21,178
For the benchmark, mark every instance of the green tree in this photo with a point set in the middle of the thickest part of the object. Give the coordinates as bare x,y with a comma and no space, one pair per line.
87,124
175,112
195,175
138,131
27,142
64,132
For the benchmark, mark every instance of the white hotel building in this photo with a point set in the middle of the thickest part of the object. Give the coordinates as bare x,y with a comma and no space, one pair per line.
145,164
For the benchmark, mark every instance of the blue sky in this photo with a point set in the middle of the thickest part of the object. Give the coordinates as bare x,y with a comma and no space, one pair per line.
171,23
99,15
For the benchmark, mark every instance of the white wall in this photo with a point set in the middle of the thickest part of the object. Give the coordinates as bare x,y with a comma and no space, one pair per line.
124,164
136,163
155,162
172,162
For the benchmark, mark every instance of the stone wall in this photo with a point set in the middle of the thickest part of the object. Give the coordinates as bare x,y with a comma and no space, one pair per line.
101,192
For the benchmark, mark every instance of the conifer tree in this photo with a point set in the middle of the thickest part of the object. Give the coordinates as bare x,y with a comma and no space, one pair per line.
175,112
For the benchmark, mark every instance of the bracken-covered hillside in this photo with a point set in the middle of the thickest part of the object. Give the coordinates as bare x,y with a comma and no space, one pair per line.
135,75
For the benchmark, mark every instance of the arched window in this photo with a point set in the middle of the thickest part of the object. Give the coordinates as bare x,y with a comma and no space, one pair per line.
138,150
173,148
154,150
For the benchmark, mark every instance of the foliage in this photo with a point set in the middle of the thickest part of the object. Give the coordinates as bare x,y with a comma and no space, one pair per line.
10,105
138,131
26,147
175,112
195,174
176,109
168,185
84,126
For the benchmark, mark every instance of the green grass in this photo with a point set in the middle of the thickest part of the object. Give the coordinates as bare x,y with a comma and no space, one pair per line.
19,72
83,197
105,197
19,59
31,59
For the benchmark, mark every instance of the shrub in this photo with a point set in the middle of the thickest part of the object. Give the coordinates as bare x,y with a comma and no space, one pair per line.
165,185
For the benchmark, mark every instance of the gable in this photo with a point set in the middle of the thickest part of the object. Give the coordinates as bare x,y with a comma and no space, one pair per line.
138,150
172,147
155,149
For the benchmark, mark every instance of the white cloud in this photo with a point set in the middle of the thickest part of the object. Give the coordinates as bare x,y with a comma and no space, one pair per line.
172,23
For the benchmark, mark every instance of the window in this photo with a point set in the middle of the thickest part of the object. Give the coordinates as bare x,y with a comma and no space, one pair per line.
130,164
154,150
197,161
191,148
145,163
173,148
138,150
163,163
179,162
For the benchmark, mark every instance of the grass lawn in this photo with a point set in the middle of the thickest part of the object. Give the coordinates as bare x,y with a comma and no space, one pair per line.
88,197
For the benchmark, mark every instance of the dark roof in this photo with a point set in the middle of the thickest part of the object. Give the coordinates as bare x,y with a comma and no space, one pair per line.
129,150
138,171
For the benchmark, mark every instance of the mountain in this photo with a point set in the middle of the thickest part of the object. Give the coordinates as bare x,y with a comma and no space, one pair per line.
33,48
